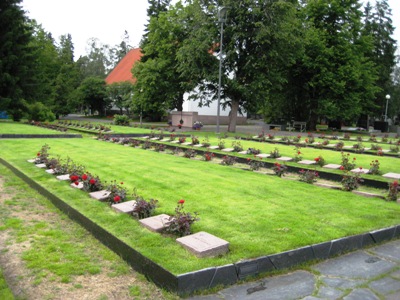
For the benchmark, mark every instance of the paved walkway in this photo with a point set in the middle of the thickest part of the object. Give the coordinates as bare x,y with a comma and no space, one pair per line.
368,274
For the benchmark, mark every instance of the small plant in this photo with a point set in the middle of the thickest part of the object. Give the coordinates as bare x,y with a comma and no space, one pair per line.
176,151
172,137
228,160
121,120
385,138
310,134
254,164
310,140
375,147
91,183
206,142
351,181
117,192
180,223
394,149
253,151
347,164
374,167
195,140
142,208
320,161
182,139
159,147
146,145
372,138
379,152
325,142
43,155
135,143
297,155
275,153
208,156
359,138
339,146
297,139
189,153
270,136
393,191
115,140
279,169
358,148
237,146
308,176
221,144
346,136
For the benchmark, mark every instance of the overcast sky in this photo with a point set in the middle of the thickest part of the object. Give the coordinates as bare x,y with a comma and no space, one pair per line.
107,20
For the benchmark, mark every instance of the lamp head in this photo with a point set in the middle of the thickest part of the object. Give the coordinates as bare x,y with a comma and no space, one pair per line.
222,14
387,97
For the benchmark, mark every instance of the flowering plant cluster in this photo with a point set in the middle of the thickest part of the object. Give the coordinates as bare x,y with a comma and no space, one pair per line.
346,136
358,148
320,161
270,136
43,155
347,164
208,156
339,146
374,167
308,176
182,139
117,192
394,149
351,181
91,183
253,151
221,144
206,142
189,153
297,138
195,140
279,169
159,147
393,191
237,146
228,160
197,125
181,222
172,137
325,142
254,164
144,209
275,153
146,145
297,156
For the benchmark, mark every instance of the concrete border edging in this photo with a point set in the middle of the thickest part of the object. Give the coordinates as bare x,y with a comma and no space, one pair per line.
188,283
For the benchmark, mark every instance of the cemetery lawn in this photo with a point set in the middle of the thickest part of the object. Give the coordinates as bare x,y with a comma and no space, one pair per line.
257,214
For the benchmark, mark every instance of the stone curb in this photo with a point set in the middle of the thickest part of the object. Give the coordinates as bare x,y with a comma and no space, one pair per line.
188,283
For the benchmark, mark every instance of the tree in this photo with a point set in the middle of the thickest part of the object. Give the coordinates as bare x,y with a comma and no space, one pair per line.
379,26
120,94
122,49
16,61
93,92
260,42
333,78
159,84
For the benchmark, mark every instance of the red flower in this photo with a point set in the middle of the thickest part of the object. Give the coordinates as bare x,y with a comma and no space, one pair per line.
38,154
76,182
341,168
181,201
117,199
395,183
84,177
316,159
121,182
92,181
299,153
360,168
248,159
354,158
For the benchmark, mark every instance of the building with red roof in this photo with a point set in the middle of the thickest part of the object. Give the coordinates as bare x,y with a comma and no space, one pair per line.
122,71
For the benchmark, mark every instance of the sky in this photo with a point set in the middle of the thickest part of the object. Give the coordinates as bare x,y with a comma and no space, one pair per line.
108,20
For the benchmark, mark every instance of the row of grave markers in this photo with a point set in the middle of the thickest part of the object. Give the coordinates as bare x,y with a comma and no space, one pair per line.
201,244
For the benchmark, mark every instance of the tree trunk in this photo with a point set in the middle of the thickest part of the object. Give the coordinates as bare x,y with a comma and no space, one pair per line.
233,116
312,123
179,104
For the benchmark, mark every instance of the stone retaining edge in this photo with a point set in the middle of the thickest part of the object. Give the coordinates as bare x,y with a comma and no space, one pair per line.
188,283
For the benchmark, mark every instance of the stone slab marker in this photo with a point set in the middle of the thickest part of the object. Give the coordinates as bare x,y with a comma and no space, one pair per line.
227,150
391,175
31,160
284,158
124,207
63,177
262,155
50,171
307,162
100,195
332,166
362,171
42,166
213,147
79,186
156,223
203,244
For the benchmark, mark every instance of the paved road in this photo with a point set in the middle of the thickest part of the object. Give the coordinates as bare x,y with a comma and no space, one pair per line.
361,275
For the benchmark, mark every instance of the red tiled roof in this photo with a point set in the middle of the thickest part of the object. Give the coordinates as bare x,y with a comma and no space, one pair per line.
122,72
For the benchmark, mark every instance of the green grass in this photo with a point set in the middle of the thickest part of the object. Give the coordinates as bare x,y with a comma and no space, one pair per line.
20,128
5,292
257,214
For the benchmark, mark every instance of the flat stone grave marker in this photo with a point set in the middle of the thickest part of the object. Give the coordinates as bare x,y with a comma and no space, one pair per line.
329,186
124,207
165,140
385,151
316,143
156,223
50,171
154,139
100,195
63,177
307,162
331,145
198,145
243,152
366,149
146,137
42,166
227,150
392,175
187,143
203,244
277,139
213,147
285,158
332,166
31,160
262,155
255,137
174,142
347,147
358,170
77,186
369,195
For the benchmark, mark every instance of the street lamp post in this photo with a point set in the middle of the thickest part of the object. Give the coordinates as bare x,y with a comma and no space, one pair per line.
387,102
221,19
